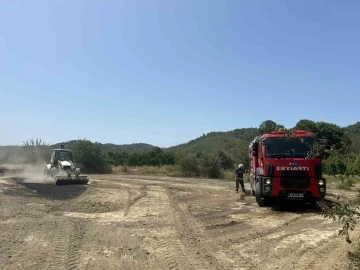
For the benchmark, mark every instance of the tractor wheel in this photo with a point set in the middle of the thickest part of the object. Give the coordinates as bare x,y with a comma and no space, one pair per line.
46,172
52,172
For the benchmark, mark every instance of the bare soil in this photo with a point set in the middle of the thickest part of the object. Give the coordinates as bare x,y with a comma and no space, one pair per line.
144,222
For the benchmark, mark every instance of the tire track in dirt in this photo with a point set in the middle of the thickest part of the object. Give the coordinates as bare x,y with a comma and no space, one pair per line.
167,243
326,255
133,200
16,242
207,242
169,251
12,252
68,243
164,242
220,244
236,221
191,234
61,245
77,232
285,248
2,208
261,232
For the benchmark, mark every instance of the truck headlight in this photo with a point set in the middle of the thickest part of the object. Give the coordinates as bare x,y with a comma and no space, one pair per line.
268,181
321,182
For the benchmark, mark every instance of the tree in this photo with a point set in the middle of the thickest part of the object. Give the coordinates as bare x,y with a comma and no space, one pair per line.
212,164
134,160
227,162
333,138
90,157
305,124
36,151
267,126
330,137
189,164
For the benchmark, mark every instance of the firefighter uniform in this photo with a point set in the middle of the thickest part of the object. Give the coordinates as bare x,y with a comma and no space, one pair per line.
240,178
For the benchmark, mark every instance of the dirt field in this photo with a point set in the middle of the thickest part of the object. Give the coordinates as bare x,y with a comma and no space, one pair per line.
133,222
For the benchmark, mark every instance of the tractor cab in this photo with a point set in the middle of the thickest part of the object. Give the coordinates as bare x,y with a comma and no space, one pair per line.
61,155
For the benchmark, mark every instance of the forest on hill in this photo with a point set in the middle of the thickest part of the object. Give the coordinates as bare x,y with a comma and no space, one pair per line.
206,155
209,154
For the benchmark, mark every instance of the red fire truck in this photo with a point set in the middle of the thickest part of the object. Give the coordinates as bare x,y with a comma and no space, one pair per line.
282,169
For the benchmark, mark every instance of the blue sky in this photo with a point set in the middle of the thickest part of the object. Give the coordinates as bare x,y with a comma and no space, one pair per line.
165,72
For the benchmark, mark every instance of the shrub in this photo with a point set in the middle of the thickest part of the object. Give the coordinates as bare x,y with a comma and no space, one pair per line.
189,165
212,166
345,182
91,158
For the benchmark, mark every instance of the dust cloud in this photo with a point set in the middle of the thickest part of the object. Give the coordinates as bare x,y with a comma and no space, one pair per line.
34,174
27,173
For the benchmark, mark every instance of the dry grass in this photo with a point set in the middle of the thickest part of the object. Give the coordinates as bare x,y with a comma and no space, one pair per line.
342,182
166,170
338,181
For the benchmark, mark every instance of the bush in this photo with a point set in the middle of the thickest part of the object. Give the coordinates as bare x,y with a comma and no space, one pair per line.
342,164
189,165
345,182
90,157
227,161
346,213
212,166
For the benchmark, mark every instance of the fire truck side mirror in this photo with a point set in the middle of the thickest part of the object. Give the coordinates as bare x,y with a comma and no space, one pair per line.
254,147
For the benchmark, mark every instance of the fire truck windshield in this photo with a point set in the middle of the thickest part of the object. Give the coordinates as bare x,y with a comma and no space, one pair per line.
288,147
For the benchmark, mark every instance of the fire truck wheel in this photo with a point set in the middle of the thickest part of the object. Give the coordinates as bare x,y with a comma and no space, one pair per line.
261,201
313,204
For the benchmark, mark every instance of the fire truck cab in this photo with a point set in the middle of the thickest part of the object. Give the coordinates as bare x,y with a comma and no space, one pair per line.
281,169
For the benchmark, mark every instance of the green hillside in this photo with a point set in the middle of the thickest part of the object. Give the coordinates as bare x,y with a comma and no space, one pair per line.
235,143
15,153
217,140
353,129
110,147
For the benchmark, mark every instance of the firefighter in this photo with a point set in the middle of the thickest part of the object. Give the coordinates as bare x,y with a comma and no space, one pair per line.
239,173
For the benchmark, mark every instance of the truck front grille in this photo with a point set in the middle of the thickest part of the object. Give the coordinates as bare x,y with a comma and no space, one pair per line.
295,179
